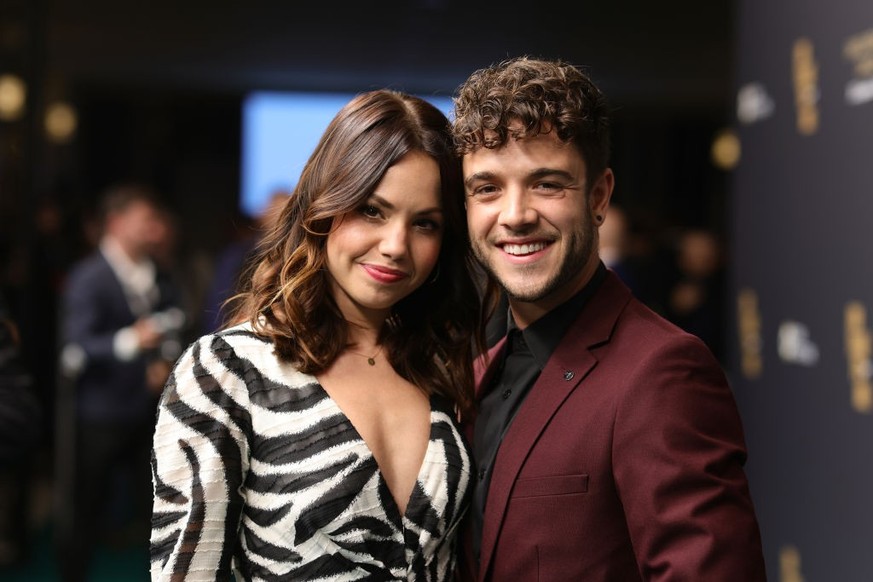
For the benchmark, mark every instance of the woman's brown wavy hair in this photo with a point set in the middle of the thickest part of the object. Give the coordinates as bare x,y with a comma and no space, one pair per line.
429,337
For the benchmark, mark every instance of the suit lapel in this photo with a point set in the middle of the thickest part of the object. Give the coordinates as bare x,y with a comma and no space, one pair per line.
568,365
484,370
120,297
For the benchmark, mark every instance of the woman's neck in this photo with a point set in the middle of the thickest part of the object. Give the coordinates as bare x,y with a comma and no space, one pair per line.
364,336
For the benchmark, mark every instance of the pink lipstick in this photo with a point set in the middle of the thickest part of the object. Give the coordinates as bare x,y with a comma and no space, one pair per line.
384,274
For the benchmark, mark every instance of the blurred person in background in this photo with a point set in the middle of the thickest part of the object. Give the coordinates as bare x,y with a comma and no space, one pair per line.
230,263
317,437
613,247
119,325
696,300
187,269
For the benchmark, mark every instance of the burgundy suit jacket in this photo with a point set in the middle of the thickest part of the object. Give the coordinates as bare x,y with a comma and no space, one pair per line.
624,463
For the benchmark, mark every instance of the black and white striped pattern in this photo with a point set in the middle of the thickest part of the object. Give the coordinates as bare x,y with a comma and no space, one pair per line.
258,472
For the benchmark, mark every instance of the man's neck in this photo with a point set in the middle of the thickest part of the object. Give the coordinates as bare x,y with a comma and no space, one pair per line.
527,312
117,246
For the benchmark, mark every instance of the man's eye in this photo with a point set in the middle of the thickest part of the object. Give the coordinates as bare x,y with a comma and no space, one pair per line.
548,186
484,190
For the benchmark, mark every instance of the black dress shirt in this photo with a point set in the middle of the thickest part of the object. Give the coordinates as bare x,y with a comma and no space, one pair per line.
526,353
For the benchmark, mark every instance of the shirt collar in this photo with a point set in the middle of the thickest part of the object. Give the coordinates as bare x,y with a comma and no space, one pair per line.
543,336
137,278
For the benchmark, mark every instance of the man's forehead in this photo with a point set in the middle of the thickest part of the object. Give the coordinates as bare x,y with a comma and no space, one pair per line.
535,145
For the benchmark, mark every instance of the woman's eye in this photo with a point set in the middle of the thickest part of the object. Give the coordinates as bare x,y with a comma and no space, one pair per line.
369,211
428,224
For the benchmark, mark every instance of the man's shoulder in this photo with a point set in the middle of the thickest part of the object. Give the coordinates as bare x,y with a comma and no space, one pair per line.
92,265
625,325
639,315
653,340
89,271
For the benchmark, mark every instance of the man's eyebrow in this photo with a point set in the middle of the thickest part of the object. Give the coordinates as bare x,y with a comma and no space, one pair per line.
544,172
478,176
535,174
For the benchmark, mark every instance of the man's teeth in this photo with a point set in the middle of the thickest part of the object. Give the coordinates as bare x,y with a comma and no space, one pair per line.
524,249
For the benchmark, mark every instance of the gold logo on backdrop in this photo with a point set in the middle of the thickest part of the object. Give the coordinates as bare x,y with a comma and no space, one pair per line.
789,565
726,150
859,50
806,91
749,324
858,352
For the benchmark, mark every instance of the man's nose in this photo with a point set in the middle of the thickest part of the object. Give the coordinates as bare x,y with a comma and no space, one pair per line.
517,212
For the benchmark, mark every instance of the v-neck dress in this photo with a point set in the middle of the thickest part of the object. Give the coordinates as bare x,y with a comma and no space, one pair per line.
257,472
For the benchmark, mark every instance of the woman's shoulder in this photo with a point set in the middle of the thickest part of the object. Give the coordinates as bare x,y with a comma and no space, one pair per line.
238,341
242,364
242,334
252,356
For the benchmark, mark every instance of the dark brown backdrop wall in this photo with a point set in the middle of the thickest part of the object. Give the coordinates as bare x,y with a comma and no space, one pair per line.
802,205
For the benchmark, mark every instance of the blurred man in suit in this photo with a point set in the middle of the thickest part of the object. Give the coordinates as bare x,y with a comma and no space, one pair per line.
119,321
607,442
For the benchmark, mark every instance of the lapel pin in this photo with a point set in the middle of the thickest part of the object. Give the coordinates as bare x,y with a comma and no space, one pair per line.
568,375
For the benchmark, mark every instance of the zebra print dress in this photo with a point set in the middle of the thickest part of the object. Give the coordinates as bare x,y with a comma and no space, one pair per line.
257,472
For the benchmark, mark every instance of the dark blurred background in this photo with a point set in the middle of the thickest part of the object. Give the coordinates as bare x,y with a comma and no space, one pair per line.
156,91
153,92
157,88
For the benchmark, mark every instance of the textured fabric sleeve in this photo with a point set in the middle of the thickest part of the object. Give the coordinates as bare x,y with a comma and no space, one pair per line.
199,461
678,459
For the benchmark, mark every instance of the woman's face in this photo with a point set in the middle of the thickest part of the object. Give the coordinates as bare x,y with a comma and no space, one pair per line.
384,250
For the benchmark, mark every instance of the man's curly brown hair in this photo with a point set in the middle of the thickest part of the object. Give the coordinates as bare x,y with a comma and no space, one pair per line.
523,97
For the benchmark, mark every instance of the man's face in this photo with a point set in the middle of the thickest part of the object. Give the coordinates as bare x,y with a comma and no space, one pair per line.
138,228
530,220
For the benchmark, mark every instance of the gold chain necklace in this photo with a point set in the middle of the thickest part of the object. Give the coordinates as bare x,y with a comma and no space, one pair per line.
370,359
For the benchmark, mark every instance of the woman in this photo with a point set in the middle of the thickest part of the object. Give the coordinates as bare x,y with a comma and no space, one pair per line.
316,439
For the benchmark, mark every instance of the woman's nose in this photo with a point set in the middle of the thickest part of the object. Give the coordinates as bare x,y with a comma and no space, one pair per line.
395,240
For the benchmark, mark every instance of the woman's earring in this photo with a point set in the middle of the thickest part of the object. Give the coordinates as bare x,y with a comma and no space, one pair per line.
599,218
435,275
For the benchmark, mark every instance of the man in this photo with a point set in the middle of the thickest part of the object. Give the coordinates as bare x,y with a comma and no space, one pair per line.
119,327
608,444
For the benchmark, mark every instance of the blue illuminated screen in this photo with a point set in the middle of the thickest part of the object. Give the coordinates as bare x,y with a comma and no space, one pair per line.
280,130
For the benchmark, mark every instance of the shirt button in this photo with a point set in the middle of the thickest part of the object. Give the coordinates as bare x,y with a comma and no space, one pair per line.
481,474
507,393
